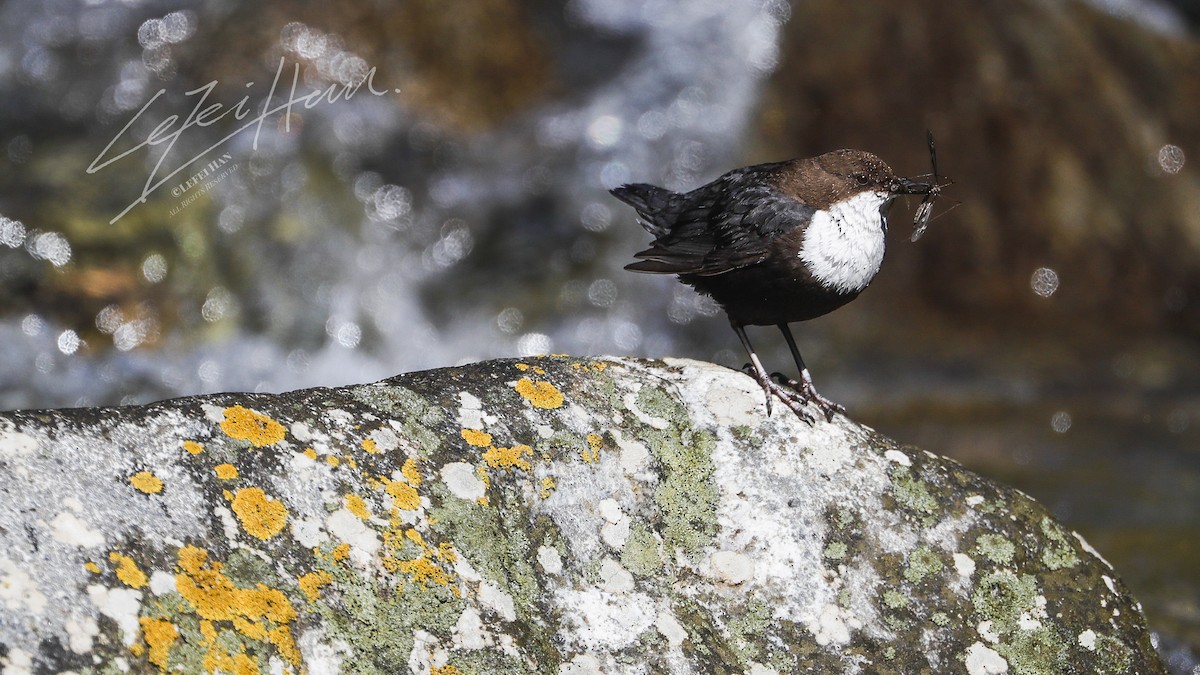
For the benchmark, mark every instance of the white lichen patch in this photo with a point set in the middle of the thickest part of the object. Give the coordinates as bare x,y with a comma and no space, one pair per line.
162,582
897,457
469,632
307,531
1087,640
615,531
81,632
670,628
731,567
16,445
614,578
18,590
349,528
121,605
549,559
964,565
498,601
832,625
983,660
461,480
987,632
75,531
974,500
471,414
635,458
600,621
581,664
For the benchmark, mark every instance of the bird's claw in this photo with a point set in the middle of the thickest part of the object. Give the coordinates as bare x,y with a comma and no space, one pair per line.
805,390
791,397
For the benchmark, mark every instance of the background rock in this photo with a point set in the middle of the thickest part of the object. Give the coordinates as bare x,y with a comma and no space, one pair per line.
552,515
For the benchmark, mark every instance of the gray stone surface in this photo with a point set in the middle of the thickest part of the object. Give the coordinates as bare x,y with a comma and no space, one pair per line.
556,515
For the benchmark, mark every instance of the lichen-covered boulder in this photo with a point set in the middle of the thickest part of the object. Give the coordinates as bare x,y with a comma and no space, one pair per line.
556,515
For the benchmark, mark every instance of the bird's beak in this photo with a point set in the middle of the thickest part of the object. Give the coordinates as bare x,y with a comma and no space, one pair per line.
908,186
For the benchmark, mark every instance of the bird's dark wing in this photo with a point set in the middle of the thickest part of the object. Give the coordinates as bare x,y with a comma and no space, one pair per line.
724,225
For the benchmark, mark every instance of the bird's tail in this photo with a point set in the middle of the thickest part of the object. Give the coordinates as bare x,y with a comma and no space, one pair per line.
653,204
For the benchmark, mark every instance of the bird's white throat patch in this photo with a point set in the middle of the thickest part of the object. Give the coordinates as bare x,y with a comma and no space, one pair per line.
843,245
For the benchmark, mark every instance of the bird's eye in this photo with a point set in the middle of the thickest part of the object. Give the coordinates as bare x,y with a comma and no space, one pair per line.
860,178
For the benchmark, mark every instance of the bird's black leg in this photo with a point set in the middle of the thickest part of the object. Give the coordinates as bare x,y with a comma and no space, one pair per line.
805,385
790,396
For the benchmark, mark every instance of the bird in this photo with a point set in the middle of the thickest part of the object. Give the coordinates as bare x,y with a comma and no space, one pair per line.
775,244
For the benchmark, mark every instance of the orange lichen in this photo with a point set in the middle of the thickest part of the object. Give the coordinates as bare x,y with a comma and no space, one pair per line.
411,473
592,452
370,445
540,393
311,584
146,482
193,447
508,458
357,506
226,471
310,453
598,366
479,439
341,551
127,570
259,515
444,670
91,567
522,366
404,496
333,461
261,613
245,424
159,635
548,486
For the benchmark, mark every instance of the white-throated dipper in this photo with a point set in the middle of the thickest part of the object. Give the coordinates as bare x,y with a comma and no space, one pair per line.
776,243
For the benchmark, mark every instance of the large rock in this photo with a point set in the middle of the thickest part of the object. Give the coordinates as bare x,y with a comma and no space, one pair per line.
555,515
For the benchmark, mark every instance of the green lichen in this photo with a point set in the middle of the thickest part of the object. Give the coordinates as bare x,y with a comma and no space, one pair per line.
743,433
1002,597
912,493
747,629
378,621
686,494
655,402
495,541
836,550
844,518
940,619
418,417
486,662
844,598
1035,652
895,599
1115,656
640,555
995,547
1059,552
923,562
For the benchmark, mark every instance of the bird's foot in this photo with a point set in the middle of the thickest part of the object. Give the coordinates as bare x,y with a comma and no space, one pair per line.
791,397
805,391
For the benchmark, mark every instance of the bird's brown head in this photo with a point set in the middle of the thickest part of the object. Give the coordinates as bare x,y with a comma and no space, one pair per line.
834,176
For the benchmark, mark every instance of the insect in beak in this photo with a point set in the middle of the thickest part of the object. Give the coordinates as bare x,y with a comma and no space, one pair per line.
932,190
